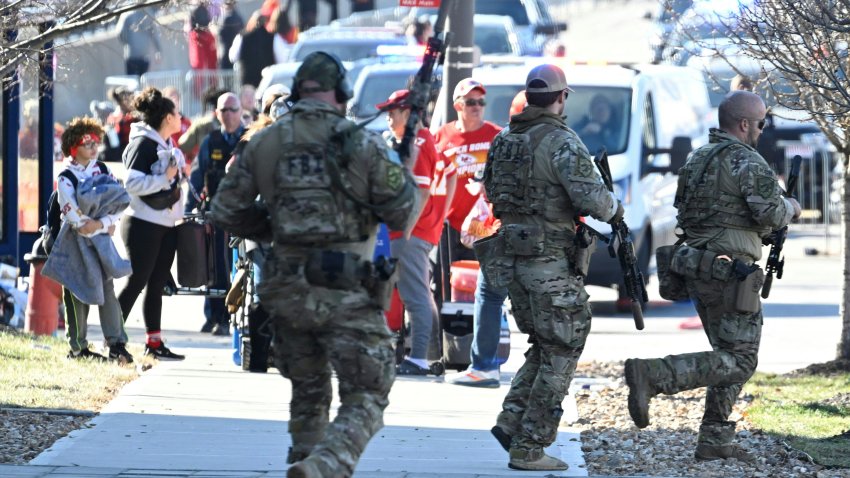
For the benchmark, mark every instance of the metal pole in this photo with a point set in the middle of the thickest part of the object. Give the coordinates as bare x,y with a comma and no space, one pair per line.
11,125
459,56
45,126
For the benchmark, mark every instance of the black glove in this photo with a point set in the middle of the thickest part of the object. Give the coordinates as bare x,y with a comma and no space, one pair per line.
769,239
618,216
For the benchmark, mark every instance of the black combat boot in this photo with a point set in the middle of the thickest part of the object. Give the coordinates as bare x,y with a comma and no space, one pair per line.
640,391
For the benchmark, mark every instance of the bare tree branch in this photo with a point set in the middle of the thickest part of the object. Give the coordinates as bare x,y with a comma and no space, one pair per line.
85,14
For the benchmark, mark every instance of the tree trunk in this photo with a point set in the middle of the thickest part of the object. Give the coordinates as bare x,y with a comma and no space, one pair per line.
844,306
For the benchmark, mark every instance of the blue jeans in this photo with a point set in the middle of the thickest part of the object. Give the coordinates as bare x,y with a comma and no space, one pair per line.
487,323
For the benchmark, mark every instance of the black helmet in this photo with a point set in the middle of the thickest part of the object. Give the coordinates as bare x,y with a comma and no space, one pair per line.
327,70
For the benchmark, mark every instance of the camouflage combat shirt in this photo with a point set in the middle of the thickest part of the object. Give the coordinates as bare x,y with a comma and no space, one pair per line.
371,172
755,197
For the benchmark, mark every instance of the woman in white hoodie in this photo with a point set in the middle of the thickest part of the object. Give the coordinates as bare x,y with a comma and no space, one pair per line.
153,164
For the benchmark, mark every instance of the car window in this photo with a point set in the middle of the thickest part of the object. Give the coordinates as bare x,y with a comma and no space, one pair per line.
512,8
600,116
492,39
345,50
499,98
376,89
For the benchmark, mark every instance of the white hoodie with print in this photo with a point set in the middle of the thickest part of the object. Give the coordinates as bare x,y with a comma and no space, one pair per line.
146,175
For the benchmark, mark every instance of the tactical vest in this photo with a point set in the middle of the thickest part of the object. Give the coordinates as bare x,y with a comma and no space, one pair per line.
699,199
220,152
509,176
311,209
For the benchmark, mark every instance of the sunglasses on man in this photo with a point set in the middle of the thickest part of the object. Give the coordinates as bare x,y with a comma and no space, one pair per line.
761,123
231,110
472,102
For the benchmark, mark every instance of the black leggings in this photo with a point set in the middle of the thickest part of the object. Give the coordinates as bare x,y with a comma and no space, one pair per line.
151,249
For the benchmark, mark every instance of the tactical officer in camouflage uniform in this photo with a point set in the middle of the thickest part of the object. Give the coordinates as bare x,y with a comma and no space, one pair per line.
539,177
327,185
728,200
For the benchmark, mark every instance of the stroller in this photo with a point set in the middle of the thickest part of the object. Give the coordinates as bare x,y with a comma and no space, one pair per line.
252,337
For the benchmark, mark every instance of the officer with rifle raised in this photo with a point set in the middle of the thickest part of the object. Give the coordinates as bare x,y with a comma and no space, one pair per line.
729,201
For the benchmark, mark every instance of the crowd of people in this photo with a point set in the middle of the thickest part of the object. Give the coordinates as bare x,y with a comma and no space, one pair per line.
292,171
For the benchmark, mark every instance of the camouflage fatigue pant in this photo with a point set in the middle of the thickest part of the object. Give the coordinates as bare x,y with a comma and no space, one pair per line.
734,339
355,343
550,305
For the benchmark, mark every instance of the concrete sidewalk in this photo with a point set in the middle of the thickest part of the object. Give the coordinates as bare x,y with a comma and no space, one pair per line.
206,417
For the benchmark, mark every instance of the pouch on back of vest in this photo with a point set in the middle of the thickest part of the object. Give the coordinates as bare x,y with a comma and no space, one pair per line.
496,265
524,239
334,269
671,285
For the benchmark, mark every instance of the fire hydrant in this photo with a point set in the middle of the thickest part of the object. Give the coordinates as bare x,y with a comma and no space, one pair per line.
42,315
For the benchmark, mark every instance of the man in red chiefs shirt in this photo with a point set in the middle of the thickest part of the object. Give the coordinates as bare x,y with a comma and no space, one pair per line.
465,143
435,176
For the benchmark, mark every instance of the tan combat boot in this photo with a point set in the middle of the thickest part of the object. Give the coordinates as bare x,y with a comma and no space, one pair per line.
707,452
640,391
313,467
534,460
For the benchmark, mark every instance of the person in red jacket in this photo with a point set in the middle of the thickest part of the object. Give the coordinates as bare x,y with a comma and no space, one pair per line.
202,50
435,177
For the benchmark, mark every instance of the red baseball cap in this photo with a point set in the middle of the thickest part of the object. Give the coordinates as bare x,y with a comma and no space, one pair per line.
396,100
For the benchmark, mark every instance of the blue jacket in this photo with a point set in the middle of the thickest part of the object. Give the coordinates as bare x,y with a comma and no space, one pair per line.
82,264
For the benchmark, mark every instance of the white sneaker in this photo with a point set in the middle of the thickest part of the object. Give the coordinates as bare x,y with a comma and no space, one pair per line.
475,378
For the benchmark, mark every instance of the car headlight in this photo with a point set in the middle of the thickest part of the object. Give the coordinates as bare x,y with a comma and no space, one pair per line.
623,189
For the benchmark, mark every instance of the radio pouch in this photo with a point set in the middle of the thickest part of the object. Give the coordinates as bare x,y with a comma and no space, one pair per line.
671,285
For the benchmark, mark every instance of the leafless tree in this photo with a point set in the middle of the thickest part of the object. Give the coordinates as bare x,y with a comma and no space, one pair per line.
40,21
805,43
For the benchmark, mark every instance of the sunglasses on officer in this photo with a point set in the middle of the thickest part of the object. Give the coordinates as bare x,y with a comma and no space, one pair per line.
760,124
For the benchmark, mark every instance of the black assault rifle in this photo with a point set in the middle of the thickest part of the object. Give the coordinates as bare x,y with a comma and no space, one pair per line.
420,91
622,247
775,263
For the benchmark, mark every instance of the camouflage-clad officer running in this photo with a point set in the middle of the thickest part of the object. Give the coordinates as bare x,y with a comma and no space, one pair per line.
728,200
539,176
327,186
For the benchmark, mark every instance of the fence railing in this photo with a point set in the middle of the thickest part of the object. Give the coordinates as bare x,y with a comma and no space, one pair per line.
815,188
191,85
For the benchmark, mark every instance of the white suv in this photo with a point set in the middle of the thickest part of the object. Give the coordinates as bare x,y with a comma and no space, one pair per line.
657,111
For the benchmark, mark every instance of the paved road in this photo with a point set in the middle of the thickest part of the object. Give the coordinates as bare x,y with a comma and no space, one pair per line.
801,324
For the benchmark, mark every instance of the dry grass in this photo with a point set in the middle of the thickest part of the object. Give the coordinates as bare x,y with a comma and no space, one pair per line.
35,373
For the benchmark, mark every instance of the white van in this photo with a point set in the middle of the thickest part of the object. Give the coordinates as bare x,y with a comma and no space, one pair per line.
658,113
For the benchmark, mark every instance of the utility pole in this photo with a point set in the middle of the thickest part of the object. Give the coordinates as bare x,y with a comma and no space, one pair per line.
459,53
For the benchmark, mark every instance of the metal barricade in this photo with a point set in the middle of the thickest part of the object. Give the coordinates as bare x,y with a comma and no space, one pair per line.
161,79
814,187
191,85
197,82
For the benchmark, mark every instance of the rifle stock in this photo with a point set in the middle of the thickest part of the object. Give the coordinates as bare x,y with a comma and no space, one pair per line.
775,261
622,247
